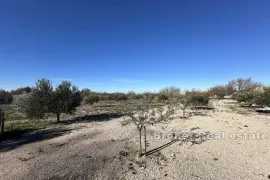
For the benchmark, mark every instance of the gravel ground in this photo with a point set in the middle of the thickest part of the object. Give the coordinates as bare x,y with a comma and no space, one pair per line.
105,150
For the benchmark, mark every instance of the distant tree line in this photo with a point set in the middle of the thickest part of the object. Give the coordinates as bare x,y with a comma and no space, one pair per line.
243,90
43,98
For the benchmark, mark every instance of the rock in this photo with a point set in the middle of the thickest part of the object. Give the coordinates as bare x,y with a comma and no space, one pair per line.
123,153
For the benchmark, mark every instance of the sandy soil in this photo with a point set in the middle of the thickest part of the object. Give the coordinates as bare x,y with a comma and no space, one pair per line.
105,150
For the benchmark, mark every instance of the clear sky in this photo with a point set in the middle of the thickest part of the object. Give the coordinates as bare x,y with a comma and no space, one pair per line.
135,45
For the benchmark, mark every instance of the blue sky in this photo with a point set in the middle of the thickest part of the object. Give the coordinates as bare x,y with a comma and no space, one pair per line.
141,45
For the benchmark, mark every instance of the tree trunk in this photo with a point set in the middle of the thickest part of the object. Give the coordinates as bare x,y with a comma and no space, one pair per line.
58,116
145,141
140,142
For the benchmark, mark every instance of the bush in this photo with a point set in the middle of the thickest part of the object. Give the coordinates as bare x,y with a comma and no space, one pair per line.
31,105
91,99
21,90
198,99
170,91
248,97
5,97
162,97
264,97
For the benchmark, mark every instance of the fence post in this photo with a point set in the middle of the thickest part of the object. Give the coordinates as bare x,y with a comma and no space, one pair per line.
2,121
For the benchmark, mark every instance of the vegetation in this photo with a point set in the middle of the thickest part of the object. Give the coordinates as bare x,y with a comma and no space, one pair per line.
44,99
64,99
91,99
218,91
243,85
142,114
140,109
248,97
21,90
184,101
199,99
5,97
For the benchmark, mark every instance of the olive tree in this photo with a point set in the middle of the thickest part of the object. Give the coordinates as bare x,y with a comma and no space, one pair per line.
264,97
183,101
64,99
142,113
44,99
35,104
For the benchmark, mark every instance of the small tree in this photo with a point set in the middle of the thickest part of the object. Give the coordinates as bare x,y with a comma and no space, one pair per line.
184,101
43,99
65,98
249,98
85,92
142,113
162,97
35,104
170,91
219,91
264,97
244,84
199,99
31,105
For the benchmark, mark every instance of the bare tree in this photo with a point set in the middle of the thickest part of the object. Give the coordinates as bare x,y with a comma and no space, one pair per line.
142,113
219,91
244,84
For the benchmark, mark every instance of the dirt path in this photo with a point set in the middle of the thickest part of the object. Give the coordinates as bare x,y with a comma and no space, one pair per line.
105,150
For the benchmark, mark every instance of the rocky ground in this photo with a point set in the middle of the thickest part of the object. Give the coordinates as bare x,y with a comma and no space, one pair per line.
226,143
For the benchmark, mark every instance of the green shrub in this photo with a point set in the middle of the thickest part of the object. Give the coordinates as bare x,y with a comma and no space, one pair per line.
162,97
5,97
91,99
199,99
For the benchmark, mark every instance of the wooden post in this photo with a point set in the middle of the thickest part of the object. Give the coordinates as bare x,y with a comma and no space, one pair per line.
1,122
145,144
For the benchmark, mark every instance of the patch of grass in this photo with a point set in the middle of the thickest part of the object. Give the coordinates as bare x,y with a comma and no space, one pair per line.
18,127
13,117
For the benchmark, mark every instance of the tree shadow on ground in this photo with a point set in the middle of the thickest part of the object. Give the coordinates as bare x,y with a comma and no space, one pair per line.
92,118
192,137
32,137
203,108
